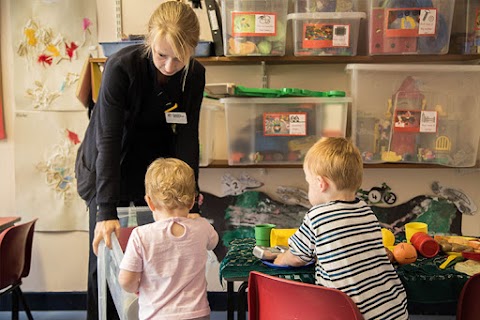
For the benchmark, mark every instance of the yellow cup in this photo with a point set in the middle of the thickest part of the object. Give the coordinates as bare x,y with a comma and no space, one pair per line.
279,237
413,227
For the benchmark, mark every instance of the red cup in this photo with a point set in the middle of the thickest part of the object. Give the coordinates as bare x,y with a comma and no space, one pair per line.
425,244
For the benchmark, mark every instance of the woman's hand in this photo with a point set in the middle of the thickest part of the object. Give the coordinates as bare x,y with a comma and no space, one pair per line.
193,216
103,231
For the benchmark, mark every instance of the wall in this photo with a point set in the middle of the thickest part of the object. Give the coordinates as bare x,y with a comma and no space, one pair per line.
60,259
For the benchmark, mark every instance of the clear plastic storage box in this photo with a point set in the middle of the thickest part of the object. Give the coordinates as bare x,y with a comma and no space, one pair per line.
108,265
325,6
254,27
465,37
280,130
410,26
326,33
416,113
134,216
206,130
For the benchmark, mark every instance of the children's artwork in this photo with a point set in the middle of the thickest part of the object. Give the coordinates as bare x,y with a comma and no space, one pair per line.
463,202
293,196
441,215
46,145
51,40
235,216
382,194
233,186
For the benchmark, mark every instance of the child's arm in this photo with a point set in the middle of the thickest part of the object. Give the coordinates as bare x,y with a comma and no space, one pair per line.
288,259
129,280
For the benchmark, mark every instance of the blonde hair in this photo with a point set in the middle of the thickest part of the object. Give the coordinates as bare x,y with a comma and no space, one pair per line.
170,183
178,24
338,160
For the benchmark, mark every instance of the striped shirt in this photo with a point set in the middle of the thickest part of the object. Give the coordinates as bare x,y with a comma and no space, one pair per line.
345,238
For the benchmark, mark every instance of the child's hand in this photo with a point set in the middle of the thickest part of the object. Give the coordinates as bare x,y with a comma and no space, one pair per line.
193,216
280,259
268,255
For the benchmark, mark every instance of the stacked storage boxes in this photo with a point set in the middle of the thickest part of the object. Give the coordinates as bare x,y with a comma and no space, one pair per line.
280,130
325,28
410,26
466,27
416,113
254,27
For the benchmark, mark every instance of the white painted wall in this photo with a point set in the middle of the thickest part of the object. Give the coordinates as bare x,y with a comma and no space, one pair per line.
60,259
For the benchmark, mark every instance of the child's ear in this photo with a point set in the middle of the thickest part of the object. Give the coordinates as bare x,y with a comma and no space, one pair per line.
191,206
149,203
323,183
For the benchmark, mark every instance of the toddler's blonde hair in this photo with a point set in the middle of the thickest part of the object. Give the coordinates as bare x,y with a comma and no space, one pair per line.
170,184
338,160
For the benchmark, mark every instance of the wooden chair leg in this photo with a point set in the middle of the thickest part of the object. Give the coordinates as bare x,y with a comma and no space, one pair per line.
24,303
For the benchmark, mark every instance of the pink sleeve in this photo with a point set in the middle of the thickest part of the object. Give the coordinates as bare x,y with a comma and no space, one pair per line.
132,259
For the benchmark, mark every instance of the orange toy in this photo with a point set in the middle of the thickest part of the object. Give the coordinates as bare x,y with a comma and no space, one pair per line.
405,253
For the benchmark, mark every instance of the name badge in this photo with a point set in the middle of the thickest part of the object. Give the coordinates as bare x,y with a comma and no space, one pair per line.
176,117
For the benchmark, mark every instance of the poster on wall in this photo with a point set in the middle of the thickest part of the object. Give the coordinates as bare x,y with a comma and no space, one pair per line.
46,145
51,42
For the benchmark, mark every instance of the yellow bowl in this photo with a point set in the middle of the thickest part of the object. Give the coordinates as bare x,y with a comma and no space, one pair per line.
387,237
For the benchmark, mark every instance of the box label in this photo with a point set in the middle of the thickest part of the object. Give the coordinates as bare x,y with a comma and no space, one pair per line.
323,35
415,121
285,124
410,22
254,24
428,22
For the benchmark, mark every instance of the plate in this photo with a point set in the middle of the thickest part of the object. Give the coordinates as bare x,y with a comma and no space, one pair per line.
277,266
471,255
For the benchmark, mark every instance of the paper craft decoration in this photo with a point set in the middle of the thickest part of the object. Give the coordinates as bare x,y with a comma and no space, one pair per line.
45,185
51,40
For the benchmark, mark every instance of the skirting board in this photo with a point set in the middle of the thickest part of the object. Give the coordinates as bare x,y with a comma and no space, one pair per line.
42,301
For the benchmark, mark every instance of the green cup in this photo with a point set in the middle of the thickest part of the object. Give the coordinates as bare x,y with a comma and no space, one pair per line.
262,234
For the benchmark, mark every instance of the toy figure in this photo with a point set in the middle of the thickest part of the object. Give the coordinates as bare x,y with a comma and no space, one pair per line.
407,99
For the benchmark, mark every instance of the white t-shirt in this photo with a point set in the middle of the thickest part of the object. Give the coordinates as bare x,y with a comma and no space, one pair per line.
173,283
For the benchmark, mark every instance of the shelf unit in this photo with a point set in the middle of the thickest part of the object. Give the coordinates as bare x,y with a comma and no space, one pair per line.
223,164
286,60
220,61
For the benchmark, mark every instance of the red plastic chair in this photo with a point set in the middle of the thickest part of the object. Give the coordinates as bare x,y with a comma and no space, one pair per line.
15,257
275,298
468,307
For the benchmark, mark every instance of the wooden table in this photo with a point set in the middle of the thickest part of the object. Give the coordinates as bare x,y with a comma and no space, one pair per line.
7,222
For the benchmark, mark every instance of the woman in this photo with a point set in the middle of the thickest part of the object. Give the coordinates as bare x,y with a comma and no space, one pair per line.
148,107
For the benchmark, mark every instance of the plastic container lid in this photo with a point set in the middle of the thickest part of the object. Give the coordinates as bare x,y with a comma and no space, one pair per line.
326,15
284,92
